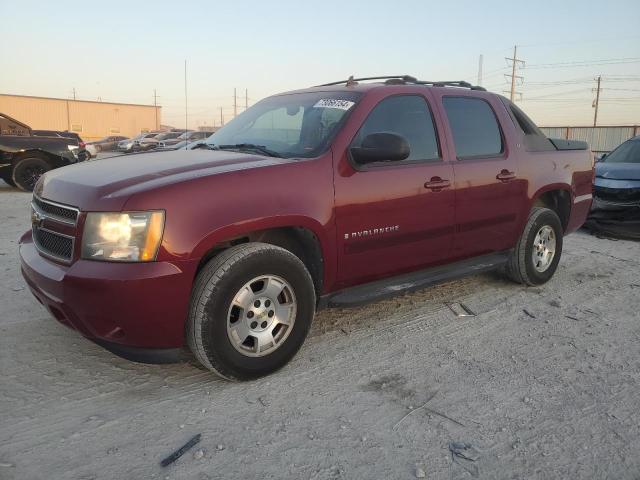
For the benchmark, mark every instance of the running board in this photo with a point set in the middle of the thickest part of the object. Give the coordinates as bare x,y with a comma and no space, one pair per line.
409,282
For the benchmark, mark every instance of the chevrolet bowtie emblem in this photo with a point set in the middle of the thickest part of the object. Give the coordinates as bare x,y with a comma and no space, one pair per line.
37,218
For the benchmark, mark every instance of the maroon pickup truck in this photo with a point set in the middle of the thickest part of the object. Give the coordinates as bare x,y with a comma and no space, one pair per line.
334,195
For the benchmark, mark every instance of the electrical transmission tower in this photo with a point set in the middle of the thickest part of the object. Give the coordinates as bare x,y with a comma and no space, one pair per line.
516,64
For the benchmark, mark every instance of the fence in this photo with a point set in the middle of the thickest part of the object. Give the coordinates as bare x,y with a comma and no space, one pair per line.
600,139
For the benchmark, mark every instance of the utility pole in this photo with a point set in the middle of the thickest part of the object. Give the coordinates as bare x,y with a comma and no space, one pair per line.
155,106
515,63
480,70
235,103
246,98
221,117
74,93
595,103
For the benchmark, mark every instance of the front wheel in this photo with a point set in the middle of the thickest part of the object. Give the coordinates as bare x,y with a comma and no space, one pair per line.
535,257
251,309
27,171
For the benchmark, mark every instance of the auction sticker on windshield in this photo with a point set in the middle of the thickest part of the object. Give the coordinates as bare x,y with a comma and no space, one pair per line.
334,103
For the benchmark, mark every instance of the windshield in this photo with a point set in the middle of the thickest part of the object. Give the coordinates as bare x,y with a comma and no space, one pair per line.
628,152
292,125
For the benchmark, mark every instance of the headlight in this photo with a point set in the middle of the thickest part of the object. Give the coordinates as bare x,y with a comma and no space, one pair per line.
122,237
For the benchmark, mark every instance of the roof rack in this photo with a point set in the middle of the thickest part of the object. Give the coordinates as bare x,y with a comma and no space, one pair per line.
406,80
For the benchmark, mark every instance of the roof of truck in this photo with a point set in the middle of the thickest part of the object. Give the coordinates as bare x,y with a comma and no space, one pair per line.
368,83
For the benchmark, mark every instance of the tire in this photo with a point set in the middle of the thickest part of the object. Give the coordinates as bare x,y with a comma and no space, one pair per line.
234,276
27,171
521,267
6,176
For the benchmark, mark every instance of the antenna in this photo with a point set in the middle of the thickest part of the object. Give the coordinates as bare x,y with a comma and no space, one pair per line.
186,111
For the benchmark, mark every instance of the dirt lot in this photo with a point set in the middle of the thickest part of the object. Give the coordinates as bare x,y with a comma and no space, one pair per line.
553,392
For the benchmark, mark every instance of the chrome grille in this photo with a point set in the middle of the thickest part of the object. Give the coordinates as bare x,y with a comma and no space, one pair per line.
53,244
56,211
52,226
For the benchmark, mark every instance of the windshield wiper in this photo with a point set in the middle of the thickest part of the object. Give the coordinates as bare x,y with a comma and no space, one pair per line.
247,146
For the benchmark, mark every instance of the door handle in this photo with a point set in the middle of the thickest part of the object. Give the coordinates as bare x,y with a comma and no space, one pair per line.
436,184
505,175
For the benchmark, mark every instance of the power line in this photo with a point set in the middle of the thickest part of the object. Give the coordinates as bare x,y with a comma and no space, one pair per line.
586,63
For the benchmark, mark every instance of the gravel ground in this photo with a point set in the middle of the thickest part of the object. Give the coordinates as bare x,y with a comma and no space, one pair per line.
542,383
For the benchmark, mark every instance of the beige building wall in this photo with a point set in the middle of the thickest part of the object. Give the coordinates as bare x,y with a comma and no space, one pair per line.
91,120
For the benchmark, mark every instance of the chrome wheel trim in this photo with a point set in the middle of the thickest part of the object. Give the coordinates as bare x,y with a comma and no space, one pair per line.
544,248
261,316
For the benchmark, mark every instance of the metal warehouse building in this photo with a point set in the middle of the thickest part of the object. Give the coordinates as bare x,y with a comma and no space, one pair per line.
600,139
91,120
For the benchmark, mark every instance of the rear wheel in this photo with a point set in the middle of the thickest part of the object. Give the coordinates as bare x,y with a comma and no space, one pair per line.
251,309
27,171
535,258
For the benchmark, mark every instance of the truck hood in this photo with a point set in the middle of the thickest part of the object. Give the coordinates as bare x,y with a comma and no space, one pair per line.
618,171
106,184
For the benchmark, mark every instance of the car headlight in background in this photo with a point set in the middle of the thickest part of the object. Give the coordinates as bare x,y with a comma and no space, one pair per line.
73,149
123,236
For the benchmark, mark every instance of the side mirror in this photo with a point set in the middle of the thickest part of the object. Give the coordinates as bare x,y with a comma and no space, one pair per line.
381,147
601,158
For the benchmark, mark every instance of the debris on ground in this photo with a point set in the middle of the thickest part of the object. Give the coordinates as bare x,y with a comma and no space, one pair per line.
198,454
464,454
181,451
528,313
415,410
420,473
460,309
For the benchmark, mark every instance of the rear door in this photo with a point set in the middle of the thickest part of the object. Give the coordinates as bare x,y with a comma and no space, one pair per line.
488,193
394,217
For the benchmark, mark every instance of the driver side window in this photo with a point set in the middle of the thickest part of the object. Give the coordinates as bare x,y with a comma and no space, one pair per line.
408,116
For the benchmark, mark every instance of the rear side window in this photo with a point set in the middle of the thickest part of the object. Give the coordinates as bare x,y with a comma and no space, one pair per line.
474,126
406,115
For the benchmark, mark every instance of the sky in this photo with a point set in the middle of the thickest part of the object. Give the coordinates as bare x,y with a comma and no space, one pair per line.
122,51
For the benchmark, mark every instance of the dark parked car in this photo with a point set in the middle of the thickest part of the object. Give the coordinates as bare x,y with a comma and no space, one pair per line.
616,202
57,133
334,195
24,157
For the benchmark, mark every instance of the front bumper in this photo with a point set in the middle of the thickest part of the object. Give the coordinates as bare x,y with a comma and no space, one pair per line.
615,217
136,310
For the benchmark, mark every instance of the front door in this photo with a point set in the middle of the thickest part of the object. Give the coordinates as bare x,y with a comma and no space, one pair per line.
397,216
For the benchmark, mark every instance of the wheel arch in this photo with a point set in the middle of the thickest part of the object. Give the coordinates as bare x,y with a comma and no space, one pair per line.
557,198
302,238
52,159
